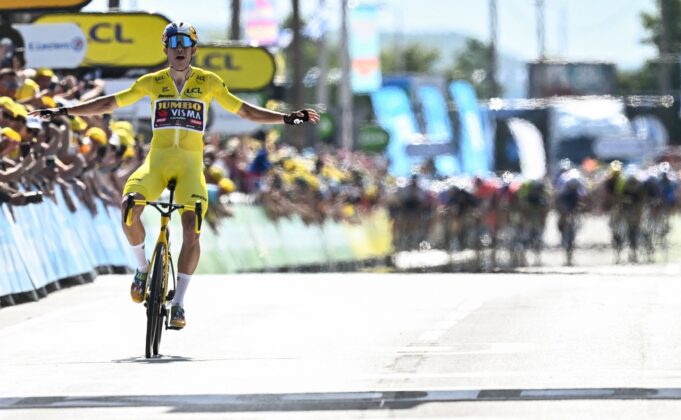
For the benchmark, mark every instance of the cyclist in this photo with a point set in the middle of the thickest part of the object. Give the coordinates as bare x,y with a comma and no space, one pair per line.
570,197
180,96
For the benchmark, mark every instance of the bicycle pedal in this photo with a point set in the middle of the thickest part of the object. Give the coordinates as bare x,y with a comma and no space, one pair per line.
170,327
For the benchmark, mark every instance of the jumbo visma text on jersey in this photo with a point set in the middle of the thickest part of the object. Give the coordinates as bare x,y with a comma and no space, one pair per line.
174,113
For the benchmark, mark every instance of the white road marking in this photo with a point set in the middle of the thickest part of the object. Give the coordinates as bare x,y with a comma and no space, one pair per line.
434,334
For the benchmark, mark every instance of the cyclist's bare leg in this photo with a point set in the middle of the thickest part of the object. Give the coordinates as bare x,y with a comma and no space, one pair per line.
135,232
186,264
190,252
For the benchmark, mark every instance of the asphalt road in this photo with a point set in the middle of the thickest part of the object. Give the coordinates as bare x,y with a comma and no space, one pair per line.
601,342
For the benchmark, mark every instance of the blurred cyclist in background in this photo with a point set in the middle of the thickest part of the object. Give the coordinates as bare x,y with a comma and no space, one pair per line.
180,96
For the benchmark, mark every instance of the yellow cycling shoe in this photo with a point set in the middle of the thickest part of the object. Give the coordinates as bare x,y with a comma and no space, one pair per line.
138,287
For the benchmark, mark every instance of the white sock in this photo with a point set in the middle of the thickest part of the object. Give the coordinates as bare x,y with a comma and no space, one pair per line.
142,263
182,284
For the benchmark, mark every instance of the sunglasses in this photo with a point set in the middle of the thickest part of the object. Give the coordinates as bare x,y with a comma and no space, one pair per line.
179,40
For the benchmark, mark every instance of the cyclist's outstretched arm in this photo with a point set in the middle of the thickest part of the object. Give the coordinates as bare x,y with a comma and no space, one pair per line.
101,105
255,113
97,106
266,116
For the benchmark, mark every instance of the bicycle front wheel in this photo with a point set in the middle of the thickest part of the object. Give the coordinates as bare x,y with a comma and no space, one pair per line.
155,307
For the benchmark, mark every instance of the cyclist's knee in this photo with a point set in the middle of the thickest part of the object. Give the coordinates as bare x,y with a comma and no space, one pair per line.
136,210
188,227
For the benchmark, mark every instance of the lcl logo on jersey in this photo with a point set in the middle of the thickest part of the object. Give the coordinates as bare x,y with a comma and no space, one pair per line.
193,91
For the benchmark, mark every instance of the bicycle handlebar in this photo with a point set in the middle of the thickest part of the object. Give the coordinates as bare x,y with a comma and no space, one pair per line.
197,208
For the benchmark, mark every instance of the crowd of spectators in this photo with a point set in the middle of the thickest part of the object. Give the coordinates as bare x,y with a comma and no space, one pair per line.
90,157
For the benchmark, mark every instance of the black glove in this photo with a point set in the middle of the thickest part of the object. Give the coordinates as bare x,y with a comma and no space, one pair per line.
295,118
50,113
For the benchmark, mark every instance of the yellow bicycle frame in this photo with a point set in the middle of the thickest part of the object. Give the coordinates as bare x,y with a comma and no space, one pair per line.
163,237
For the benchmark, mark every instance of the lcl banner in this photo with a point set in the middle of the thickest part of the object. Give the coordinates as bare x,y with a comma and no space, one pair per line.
53,45
42,4
117,39
242,68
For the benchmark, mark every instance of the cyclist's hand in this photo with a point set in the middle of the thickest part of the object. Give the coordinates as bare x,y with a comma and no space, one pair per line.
48,113
302,116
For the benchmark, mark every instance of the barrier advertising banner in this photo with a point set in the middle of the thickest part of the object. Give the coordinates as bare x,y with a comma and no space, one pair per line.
117,39
530,148
53,45
242,68
438,127
42,4
394,113
474,152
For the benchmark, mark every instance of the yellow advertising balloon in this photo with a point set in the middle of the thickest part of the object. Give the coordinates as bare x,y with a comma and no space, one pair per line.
242,68
118,39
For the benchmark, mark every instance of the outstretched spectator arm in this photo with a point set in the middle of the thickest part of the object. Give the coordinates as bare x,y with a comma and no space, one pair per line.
12,174
57,136
94,92
68,172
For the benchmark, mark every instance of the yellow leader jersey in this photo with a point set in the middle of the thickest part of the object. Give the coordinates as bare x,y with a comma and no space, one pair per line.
179,117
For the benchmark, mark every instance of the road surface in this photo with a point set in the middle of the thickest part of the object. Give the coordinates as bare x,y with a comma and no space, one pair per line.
601,342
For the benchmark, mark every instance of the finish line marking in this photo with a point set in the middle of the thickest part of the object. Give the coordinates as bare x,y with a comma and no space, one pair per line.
334,400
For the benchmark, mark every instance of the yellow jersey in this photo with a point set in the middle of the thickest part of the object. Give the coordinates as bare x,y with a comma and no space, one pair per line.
179,117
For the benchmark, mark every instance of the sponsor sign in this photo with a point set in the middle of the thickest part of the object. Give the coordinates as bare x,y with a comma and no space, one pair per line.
547,79
530,144
365,48
117,39
241,68
372,139
262,26
42,4
620,148
179,113
475,153
426,150
53,45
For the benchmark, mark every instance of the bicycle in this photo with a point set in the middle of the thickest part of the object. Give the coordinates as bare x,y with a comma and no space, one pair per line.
157,295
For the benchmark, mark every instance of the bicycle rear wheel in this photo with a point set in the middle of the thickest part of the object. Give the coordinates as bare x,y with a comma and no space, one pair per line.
155,308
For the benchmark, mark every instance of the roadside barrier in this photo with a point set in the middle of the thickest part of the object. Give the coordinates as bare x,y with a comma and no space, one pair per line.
45,246
252,242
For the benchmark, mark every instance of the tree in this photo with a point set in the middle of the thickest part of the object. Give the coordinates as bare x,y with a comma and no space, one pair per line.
471,64
664,32
414,58
670,26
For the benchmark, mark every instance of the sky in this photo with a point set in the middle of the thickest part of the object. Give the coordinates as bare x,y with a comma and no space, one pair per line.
604,30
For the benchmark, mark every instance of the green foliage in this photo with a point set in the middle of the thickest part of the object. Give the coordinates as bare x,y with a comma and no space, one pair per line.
414,58
652,23
645,80
472,64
